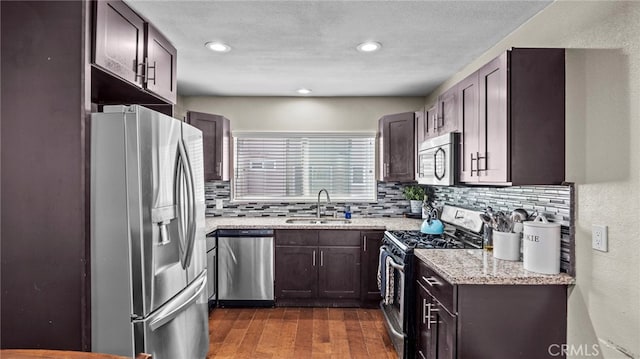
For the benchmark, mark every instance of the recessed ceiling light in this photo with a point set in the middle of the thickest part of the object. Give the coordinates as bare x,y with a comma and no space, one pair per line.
303,91
218,46
369,46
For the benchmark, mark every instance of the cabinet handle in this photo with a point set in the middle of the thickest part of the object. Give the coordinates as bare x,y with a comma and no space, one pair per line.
431,281
147,73
431,309
364,243
478,164
140,74
219,169
473,159
321,258
313,258
424,311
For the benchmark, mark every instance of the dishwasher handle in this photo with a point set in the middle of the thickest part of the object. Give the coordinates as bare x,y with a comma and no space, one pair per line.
245,233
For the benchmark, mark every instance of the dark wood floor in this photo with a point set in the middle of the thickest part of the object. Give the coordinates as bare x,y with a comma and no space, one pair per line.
298,333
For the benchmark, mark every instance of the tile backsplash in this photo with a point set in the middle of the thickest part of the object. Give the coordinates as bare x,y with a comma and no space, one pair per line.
391,203
556,203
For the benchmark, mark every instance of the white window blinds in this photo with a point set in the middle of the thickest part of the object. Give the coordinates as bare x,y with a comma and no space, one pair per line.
295,166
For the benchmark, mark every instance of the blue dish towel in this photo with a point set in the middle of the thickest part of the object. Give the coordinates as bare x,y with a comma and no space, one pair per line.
385,277
382,272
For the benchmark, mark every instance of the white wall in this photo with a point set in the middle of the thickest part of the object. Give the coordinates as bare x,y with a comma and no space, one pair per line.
602,156
300,113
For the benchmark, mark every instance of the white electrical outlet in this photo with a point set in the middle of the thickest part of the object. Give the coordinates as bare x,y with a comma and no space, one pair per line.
599,240
219,204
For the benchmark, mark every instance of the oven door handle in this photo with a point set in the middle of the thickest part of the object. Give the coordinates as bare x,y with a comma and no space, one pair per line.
400,269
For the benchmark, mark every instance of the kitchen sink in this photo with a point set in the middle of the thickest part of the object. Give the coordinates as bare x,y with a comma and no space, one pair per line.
318,221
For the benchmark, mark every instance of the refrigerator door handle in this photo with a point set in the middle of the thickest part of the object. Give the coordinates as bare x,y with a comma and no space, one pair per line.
180,303
191,232
191,203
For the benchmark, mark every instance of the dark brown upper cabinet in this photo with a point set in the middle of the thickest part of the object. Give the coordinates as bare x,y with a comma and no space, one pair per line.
518,135
446,118
119,41
468,122
127,46
216,138
438,118
421,124
160,65
397,147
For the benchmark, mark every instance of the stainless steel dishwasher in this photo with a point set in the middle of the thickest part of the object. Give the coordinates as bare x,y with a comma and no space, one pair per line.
245,267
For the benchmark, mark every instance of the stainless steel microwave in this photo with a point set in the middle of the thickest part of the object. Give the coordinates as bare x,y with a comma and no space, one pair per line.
437,160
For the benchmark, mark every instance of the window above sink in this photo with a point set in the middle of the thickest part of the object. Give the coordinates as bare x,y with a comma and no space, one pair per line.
284,166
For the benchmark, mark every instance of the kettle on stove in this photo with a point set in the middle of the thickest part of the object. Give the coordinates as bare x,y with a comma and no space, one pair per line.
432,225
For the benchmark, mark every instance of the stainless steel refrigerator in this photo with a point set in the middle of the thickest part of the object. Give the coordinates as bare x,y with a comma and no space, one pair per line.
148,247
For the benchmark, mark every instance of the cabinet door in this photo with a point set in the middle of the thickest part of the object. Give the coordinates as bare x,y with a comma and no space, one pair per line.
160,71
448,111
371,242
398,155
444,327
421,126
119,40
339,273
493,128
468,114
425,340
296,272
215,138
431,120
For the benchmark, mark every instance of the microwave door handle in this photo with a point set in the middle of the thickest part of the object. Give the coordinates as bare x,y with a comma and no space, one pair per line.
435,164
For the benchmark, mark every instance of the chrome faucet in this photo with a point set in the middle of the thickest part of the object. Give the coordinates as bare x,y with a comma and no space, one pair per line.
328,200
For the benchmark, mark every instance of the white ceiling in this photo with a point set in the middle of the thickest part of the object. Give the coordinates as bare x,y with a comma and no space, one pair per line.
279,46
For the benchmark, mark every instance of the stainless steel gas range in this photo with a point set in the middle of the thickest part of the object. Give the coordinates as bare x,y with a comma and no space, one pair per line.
463,230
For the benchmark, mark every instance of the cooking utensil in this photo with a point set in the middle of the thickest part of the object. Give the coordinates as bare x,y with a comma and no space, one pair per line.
519,215
486,219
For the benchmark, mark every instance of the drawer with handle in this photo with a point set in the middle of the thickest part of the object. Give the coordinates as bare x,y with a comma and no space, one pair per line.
440,289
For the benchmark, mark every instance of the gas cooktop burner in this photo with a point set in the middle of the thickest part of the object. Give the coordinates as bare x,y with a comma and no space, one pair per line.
417,239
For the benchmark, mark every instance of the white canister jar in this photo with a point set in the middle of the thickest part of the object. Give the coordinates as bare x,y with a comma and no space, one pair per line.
541,246
506,246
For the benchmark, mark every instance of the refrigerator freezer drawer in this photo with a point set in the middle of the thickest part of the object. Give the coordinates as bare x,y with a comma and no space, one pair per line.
245,268
179,329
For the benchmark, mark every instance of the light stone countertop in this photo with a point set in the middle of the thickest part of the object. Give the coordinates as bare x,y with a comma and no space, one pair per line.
476,266
383,223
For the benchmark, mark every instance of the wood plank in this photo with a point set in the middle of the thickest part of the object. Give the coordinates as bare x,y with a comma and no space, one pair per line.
252,335
354,334
287,337
338,334
239,327
220,323
320,342
304,334
372,336
268,342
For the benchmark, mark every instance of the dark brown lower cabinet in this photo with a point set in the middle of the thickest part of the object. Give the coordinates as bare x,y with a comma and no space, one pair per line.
436,328
487,321
314,267
339,273
296,273
371,241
